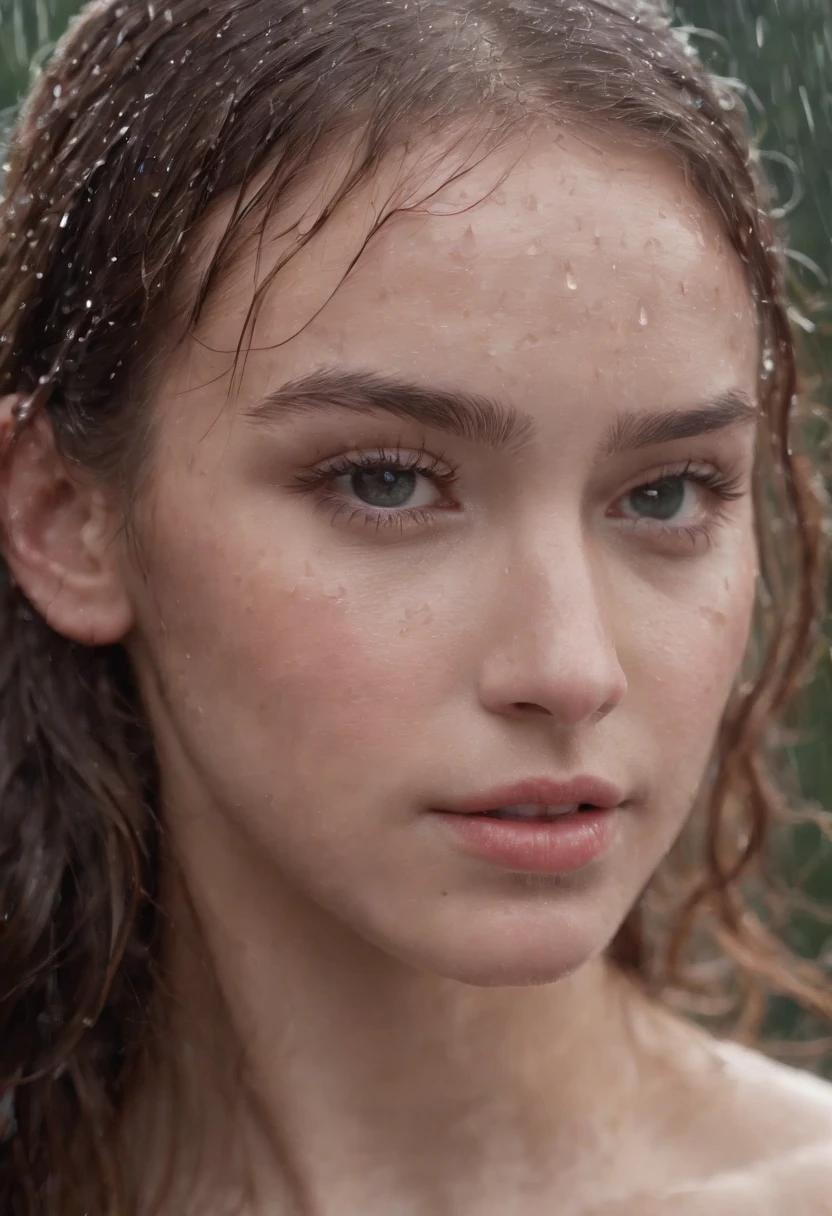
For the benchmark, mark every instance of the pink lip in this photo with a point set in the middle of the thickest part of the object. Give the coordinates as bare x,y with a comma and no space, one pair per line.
542,792
555,846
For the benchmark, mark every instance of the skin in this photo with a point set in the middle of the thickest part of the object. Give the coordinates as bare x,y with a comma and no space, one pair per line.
423,1031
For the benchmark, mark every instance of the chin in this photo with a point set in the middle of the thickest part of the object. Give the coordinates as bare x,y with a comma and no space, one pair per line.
509,950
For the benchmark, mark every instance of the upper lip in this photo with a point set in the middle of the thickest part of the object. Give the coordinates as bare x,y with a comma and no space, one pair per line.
542,792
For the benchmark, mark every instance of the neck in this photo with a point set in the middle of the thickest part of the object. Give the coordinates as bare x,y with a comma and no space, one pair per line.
361,1085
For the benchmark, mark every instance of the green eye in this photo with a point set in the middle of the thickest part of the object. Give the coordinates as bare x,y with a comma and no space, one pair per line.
661,500
383,487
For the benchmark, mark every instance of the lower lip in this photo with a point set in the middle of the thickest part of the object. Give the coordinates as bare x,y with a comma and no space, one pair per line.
551,846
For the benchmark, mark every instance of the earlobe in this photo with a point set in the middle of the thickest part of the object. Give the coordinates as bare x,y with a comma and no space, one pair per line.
59,533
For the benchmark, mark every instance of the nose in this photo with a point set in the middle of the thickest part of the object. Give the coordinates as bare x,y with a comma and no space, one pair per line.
553,649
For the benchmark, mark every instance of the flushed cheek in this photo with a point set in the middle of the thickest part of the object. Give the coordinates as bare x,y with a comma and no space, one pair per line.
316,677
690,666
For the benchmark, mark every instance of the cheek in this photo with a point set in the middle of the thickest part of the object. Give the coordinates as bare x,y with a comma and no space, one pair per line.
692,654
264,657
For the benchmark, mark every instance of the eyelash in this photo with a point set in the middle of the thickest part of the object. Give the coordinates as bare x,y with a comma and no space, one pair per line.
723,486
440,472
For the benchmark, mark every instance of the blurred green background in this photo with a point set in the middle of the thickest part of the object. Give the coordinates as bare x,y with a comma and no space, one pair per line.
782,52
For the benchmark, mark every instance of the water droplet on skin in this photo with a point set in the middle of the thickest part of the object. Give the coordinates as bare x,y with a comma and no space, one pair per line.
468,243
643,319
571,281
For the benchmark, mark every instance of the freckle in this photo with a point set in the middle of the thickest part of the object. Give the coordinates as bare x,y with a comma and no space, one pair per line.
720,619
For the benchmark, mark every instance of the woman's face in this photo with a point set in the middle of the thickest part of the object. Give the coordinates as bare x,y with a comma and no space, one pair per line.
481,517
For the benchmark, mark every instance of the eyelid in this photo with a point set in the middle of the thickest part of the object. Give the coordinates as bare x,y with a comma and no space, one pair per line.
729,483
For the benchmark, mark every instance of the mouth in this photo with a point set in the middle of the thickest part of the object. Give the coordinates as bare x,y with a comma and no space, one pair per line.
535,811
541,799
537,826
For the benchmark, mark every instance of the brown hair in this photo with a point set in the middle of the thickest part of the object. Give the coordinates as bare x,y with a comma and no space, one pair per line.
147,114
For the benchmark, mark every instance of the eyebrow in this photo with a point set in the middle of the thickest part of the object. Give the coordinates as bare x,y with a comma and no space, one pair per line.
482,420
479,419
634,430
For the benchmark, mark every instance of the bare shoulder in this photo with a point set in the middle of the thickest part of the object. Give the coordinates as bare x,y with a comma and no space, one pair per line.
790,1184
766,1134
777,1104
738,1134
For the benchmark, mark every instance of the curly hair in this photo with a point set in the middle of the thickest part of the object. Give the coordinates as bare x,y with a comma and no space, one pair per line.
144,117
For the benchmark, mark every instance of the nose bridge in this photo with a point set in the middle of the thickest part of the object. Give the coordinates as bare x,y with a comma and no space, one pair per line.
554,647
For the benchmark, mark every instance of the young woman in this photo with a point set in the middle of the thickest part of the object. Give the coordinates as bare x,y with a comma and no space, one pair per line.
409,548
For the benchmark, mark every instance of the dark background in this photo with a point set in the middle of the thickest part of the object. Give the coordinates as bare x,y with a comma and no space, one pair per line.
782,51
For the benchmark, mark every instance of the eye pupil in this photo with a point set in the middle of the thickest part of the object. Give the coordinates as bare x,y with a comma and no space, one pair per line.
661,500
384,487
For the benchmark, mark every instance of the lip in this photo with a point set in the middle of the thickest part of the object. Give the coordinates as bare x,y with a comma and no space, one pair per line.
542,792
563,845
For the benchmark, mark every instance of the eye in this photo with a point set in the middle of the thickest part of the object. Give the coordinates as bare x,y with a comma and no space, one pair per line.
662,500
383,488
388,487
680,505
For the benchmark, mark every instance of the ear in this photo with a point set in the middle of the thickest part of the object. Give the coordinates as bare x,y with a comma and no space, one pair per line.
61,535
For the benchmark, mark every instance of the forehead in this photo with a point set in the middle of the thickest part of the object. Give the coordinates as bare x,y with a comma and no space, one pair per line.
561,259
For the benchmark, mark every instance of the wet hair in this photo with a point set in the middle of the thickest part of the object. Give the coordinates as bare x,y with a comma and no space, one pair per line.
147,114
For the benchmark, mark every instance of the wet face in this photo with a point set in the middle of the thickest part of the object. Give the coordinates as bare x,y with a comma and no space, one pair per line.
483,525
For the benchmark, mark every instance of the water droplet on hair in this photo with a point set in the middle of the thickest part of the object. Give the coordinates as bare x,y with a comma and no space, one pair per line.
56,92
